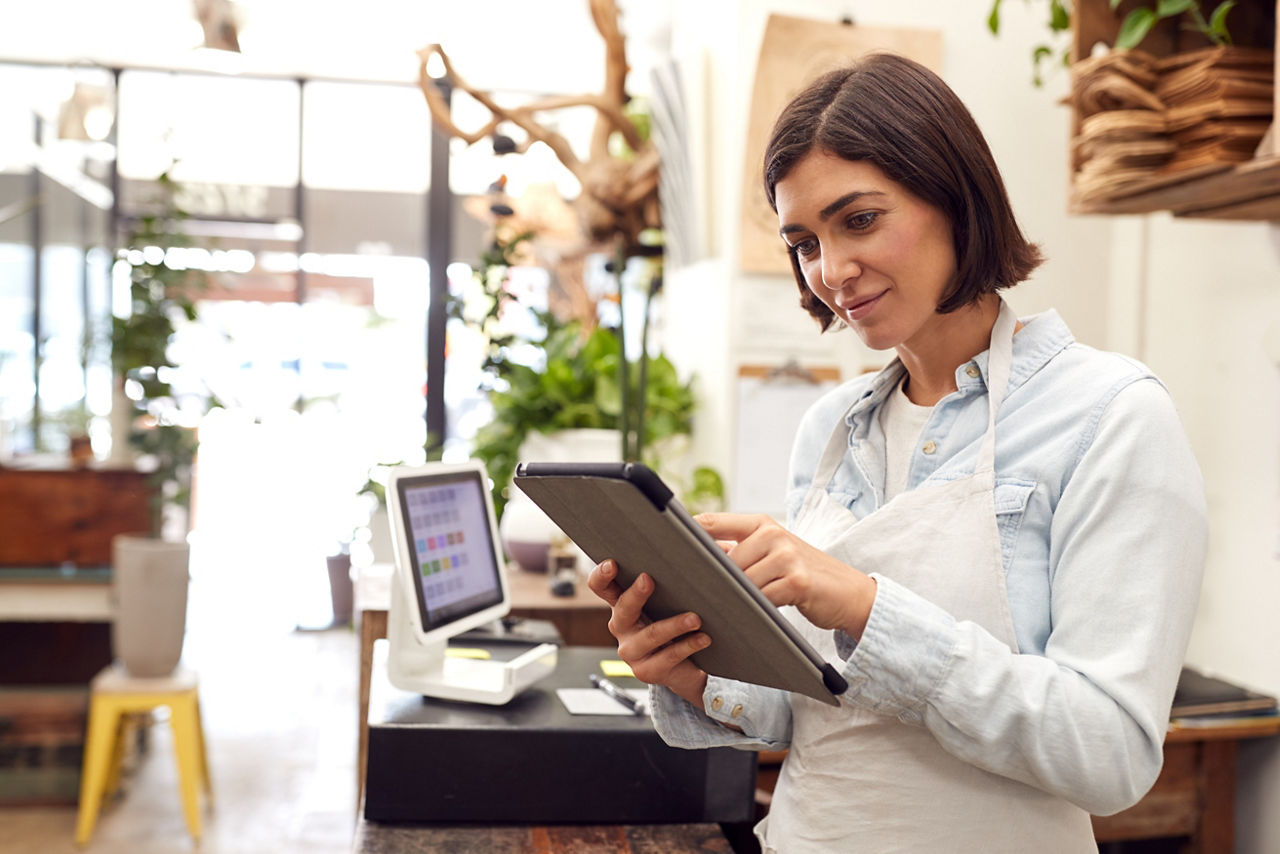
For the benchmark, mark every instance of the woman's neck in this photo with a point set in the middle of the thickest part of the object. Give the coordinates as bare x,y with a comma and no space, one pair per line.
931,358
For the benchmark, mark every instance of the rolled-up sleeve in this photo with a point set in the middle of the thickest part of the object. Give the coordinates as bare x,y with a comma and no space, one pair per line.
761,716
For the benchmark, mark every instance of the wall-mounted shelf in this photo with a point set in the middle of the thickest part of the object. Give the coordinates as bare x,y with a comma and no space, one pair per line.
1229,191
1248,191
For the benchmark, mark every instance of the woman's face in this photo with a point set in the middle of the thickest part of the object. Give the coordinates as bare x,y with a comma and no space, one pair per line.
879,257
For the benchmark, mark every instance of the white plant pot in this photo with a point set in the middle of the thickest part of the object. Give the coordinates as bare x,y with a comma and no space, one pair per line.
382,547
526,531
149,585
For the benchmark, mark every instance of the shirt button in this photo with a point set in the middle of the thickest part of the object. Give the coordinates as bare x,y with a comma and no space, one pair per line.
973,371
737,711
930,447
717,703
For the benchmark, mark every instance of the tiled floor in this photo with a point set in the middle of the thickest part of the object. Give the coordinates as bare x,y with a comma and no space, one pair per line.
279,709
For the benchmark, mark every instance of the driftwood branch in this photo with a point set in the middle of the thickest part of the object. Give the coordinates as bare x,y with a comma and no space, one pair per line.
619,196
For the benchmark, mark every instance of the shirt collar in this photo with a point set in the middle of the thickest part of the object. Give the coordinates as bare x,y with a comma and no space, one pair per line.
1042,337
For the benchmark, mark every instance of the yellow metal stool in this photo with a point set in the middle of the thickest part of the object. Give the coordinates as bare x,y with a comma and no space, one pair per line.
114,696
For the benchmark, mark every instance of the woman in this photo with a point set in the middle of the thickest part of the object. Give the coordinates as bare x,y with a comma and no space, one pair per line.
998,539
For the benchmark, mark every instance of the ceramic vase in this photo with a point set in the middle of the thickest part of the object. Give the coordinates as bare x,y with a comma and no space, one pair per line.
526,531
149,586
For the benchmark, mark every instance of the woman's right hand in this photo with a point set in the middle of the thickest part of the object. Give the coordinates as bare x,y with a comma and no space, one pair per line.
658,653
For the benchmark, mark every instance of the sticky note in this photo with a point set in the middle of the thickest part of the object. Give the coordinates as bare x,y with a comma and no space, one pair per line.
613,667
466,652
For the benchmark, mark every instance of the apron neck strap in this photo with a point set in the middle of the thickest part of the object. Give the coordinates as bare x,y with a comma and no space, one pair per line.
998,362
1001,355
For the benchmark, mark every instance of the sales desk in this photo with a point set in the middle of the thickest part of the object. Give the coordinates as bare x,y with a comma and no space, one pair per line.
582,620
530,776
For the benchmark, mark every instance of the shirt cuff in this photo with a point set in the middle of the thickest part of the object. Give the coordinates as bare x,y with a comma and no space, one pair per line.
903,655
681,724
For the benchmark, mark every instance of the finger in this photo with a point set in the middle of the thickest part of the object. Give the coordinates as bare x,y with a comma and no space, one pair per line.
601,581
627,610
657,635
726,545
658,667
767,541
731,526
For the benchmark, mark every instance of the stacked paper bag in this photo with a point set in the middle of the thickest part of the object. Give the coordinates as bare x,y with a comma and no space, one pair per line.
1122,137
1146,122
1218,103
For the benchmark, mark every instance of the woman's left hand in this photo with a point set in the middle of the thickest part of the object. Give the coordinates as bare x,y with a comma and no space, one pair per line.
789,571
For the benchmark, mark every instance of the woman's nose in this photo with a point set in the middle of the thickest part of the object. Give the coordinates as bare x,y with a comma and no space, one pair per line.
838,268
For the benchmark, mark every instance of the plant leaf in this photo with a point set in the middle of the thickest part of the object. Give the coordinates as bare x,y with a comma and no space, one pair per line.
1037,56
1059,17
1218,21
1135,27
1114,4
993,20
1169,8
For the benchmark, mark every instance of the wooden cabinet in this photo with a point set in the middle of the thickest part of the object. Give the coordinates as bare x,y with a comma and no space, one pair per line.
52,517
56,527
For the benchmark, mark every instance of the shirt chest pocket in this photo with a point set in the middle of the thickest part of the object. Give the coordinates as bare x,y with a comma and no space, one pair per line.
1011,496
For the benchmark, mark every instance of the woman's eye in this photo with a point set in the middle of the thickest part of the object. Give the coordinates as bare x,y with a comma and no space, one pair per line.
863,220
804,248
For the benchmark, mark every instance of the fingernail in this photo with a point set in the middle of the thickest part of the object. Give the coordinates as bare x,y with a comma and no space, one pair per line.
702,641
606,568
691,621
643,582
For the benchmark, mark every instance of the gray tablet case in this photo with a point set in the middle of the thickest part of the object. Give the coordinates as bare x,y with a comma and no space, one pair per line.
625,512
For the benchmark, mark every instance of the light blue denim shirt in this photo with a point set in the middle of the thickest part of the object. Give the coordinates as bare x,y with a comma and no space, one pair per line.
1102,522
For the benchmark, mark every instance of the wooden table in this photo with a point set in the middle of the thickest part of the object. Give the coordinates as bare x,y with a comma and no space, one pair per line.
1195,794
581,620
377,838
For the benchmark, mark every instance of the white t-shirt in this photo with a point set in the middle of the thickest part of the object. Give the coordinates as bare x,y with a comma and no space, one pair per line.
902,422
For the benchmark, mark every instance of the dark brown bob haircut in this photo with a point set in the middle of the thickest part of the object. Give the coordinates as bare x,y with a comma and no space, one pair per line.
899,116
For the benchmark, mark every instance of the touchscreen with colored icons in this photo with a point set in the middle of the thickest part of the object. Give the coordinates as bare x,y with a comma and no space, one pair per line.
450,545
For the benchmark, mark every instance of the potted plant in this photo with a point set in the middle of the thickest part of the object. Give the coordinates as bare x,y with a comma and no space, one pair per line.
565,400
150,570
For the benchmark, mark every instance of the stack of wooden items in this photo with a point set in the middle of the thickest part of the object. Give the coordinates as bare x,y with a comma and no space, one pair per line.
1146,122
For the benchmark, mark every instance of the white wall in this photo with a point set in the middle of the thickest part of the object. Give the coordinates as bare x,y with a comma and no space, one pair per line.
1211,331
1198,301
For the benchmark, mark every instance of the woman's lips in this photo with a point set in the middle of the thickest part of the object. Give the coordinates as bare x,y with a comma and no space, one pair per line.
861,309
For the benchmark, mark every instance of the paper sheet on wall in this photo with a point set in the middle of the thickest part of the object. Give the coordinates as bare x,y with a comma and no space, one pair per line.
770,406
793,52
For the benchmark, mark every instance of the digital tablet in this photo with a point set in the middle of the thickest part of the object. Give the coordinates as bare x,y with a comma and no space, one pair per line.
625,512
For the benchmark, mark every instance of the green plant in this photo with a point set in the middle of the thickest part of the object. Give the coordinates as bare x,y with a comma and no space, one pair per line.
1059,22
583,382
162,293
1135,27
1139,21
577,388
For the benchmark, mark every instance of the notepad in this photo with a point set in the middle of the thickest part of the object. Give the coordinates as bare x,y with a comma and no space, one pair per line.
593,701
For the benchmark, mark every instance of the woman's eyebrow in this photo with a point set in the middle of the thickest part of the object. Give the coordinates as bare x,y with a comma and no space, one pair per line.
825,213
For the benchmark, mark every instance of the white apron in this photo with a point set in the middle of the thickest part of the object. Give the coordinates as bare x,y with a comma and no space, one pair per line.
855,781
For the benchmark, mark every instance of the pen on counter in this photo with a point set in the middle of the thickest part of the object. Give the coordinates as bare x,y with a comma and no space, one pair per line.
617,693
